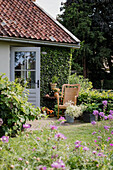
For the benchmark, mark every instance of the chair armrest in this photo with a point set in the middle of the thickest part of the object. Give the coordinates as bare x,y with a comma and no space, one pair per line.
75,102
58,97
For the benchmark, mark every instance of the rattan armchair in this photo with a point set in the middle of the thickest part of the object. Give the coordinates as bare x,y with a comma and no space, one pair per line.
70,92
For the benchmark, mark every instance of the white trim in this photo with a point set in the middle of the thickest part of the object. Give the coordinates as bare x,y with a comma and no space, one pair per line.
59,24
39,42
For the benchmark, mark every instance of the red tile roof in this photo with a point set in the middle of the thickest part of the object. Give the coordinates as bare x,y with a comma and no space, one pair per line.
24,19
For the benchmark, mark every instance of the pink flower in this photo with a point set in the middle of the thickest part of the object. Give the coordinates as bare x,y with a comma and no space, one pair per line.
104,102
111,112
108,139
93,123
95,112
77,142
110,117
105,117
58,164
5,139
53,127
61,119
60,136
95,141
26,126
94,152
85,148
106,128
101,114
94,133
100,154
112,132
111,144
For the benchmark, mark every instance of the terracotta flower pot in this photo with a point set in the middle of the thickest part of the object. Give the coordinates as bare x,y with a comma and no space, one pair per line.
53,85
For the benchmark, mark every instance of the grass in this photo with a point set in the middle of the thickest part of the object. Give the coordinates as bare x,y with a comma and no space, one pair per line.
38,152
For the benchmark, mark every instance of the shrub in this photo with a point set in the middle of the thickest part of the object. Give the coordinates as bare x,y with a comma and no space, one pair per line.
14,108
85,84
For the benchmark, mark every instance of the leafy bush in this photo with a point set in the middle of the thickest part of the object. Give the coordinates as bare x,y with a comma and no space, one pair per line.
93,99
85,84
14,108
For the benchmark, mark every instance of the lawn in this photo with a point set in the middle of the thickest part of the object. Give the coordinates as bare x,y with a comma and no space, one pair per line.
65,147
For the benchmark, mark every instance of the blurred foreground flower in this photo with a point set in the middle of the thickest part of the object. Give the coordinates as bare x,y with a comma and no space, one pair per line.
26,126
1,122
5,139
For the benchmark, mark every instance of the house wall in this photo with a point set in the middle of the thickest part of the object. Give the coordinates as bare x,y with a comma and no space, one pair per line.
5,59
5,55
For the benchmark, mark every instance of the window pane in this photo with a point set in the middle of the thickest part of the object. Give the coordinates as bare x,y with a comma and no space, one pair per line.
31,60
20,60
30,77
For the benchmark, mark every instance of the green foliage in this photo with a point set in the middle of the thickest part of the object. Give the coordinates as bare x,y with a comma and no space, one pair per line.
91,22
14,108
54,79
93,99
85,84
54,61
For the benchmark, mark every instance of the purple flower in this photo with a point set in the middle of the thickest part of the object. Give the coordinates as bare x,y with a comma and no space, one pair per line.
77,146
108,139
94,152
77,142
5,139
111,144
112,132
20,159
100,154
53,127
42,167
99,137
106,128
111,112
104,102
105,117
94,133
110,117
60,136
58,164
101,114
53,147
95,140
26,126
85,148
61,119
93,123
95,112
38,138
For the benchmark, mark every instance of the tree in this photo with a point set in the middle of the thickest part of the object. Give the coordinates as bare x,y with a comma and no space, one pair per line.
86,20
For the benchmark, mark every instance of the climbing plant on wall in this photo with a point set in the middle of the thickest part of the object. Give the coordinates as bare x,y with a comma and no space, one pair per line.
54,61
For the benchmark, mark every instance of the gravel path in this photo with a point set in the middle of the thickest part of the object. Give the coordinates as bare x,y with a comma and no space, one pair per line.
37,124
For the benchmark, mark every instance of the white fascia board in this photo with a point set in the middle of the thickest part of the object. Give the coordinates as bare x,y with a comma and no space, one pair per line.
39,42
59,24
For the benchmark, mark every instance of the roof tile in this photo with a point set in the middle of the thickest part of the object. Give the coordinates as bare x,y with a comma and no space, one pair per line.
23,18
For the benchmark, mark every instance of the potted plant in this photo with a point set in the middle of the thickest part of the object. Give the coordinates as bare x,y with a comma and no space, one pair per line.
74,111
56,91
54,82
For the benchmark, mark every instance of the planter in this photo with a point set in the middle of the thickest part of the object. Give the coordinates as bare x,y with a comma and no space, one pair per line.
53,85
88,117
69,119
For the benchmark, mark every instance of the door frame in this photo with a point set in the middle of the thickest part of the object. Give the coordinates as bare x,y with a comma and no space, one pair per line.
12,76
